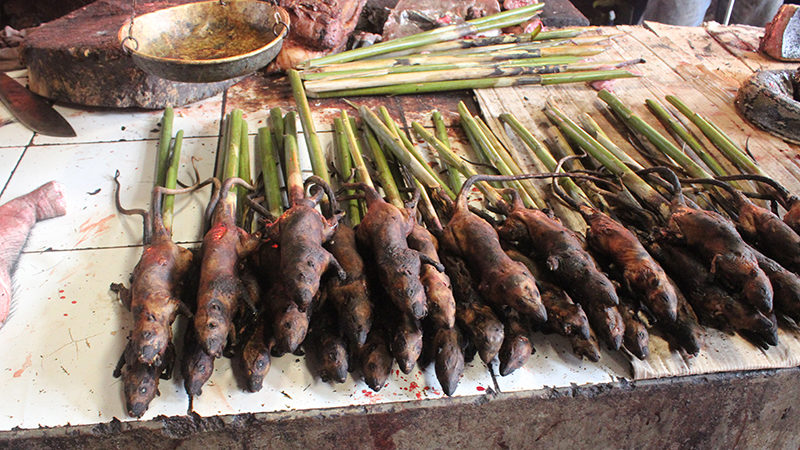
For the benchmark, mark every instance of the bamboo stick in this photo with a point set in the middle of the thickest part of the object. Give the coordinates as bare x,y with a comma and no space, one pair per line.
234,141
440,86
315,151
500,20
269,169
454,177
361,167
171,182
164,139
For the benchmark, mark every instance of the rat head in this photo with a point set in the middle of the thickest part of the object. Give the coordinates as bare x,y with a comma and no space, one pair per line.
256,371
333,364
758,290
152,333
519,290
290,328
212,323
140,383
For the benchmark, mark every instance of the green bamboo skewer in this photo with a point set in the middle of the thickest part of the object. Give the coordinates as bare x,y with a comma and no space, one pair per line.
657,139
455,161
541,153
269,169
384,173
455,179
164,139
500,20
457,44
293,173
585,141
528,187
276,128
731,151
345,167
361,167
171,182
244,167
234,141
414,151
450,85
594,129
318,161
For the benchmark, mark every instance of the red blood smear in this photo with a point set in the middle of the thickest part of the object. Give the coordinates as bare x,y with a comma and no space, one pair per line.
419,395
480,388
62,297
65,314
60,291
413,385
74,302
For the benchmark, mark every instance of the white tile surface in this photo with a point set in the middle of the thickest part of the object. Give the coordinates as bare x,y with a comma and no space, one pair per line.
92,220
8,160
200,119
68,331
12,133
554,365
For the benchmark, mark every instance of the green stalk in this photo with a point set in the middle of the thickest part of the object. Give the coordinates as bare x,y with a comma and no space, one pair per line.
318,159
456,180
233,152
269,168
528,188
590,145
163,146
384,173
500,20
663,144
171,182
731,151
361,167
451,85
593,128
455,161
294,176
276,128
542,154
414,151
395,145
345,167
244,167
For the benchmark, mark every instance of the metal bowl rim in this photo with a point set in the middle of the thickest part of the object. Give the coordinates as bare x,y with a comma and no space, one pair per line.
123,33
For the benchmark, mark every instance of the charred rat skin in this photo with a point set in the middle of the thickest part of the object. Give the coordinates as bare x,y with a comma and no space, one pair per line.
714,305
384,231
785,284
300,233
157,283
197,365
406,345
351,295
449,359
570,265
289,323
478,321
256,357
517,347
501,280
220,287
376,360
327,346
441,304
636,339
586,348
641,272
140,381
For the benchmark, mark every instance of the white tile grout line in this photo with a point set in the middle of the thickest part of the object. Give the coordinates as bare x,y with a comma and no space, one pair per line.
19,160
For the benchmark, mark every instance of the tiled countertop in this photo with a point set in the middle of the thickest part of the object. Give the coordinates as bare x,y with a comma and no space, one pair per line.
68,329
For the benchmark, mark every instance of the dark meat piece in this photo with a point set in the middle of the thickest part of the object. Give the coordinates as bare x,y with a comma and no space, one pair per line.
501,280
642,274
768,233
636,339
383,231
300,233
441,304
220,288
197,364
586,348
483,328
559,248
407,343
517,346
376,360
17,218
289,323
255,356
351,295
449,358
322,24
715,306
786,287
326,347
140,381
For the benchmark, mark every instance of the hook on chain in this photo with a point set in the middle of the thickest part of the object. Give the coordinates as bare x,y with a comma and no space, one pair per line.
279,22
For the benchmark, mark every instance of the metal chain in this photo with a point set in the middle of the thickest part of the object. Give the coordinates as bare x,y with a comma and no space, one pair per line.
130,37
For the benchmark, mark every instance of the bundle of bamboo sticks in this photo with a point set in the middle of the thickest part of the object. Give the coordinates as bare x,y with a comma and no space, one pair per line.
446,59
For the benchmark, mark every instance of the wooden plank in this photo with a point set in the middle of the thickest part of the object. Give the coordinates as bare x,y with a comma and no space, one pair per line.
742,41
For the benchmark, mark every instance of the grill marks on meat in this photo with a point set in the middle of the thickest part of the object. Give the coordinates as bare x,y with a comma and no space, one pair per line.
18,217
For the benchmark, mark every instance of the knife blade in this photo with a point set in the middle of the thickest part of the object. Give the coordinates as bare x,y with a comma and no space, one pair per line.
31,110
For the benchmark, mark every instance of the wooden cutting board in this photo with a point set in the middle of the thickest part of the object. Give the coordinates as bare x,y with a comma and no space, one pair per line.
77,59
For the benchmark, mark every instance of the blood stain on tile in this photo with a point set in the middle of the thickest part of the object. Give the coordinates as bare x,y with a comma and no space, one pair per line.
25,365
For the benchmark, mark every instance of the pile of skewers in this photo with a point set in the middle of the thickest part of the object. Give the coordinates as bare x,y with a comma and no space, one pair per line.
448,59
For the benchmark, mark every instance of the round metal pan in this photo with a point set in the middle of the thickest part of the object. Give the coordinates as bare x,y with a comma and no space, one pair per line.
206,41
